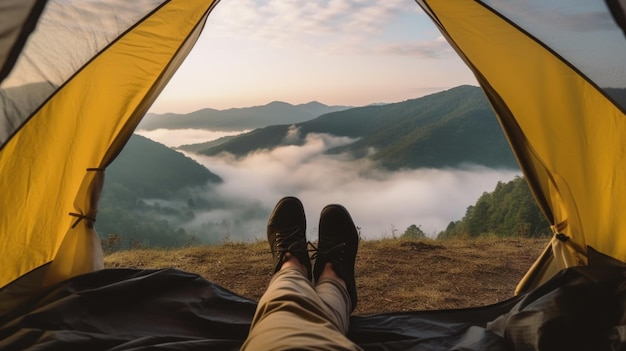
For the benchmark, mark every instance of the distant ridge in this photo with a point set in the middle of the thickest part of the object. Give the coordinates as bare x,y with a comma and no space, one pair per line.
234,119
446,129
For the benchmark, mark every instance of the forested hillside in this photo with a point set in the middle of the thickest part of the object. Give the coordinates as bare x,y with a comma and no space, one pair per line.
510,210
148,190
447,129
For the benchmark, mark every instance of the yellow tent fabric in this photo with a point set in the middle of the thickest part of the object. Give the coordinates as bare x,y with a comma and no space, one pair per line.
566,130
57,142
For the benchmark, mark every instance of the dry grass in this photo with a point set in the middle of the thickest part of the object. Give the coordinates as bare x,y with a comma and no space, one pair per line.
392,274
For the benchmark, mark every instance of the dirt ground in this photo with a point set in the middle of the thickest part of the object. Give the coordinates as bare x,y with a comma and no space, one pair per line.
392,274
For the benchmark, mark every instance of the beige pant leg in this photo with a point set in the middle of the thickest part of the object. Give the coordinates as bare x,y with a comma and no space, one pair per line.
337,301
292,316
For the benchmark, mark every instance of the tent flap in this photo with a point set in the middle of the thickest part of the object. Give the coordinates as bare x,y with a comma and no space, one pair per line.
70,108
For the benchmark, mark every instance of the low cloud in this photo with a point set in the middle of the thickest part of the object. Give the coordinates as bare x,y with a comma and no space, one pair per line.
382,203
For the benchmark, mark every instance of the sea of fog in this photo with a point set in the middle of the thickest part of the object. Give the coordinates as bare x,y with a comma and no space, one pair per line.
382,203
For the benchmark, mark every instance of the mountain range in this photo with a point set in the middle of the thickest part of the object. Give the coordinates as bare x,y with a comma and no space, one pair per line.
447,129
236,119
151,190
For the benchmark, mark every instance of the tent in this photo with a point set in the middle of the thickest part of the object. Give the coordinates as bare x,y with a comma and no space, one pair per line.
76,78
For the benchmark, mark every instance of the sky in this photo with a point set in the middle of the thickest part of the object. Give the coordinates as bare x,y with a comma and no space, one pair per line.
337,52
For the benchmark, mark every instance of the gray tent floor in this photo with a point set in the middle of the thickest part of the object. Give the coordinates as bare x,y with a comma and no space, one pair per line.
581,308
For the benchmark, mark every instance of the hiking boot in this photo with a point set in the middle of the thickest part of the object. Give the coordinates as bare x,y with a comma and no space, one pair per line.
338,245
286,233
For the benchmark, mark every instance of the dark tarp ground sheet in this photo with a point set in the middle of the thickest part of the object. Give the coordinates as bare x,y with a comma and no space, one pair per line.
580,308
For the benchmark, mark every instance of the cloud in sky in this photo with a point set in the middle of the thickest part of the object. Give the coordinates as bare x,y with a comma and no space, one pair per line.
382,203
433,49
338,52
331,26
287,21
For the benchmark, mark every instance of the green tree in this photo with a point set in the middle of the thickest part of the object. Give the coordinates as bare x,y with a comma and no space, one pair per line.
510,210
413,232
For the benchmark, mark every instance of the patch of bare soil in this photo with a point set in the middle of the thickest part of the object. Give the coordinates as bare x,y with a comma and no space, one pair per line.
392,275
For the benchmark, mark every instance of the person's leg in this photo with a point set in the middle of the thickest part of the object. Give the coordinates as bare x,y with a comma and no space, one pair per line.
335,261
291,315
333,292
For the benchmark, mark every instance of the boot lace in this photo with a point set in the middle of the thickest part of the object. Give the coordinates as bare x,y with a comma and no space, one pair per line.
334,254
289,241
